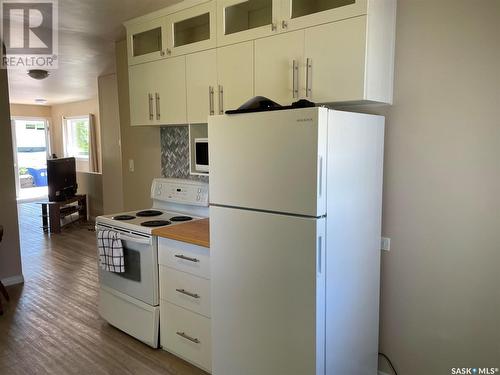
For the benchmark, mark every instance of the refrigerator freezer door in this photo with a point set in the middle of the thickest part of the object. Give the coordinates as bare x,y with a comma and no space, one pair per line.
268,293
271,161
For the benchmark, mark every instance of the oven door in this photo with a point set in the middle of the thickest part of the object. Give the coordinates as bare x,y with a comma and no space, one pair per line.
140,279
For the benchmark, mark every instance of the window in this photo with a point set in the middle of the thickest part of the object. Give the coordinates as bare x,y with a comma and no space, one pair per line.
76,134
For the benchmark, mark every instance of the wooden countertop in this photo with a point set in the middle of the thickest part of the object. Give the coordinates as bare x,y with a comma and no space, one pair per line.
196,232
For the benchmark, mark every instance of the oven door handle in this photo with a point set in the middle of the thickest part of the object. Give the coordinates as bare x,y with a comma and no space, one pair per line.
143,241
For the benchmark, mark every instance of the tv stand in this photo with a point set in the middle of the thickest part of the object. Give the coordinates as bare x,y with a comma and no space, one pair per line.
54,212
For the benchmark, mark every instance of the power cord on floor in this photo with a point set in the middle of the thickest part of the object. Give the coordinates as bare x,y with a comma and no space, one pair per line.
389,362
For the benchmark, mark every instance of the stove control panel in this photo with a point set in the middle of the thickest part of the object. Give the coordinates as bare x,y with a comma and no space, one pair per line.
180,191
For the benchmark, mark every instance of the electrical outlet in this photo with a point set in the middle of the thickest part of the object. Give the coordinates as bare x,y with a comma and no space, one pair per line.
385,244
131,166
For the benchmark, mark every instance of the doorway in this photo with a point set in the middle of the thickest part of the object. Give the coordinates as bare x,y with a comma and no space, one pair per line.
31,142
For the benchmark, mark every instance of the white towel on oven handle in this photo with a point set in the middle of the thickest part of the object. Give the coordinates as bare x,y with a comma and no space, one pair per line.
110,251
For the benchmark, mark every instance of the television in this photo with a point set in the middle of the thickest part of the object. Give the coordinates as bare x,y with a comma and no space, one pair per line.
61,178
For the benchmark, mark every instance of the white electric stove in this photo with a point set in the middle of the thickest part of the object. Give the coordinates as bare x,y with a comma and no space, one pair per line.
130,300
175,201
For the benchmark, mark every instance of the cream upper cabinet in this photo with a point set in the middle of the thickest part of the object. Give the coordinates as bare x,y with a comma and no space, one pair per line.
299,14
203,57
158,92
146,41
192,29
278,61
201,83
336,73
242,20
170,75
142,90
235,75
357,63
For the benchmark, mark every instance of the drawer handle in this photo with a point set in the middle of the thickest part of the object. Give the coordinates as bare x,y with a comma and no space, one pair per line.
183,291
180,256
192,339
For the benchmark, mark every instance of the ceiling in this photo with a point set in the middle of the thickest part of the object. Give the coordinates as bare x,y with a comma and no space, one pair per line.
87,32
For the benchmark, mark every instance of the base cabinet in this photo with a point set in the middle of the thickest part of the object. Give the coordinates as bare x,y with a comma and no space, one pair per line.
185,311
186,334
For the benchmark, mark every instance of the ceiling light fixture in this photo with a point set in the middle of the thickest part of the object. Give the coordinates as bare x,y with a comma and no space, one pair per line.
40,101
38,73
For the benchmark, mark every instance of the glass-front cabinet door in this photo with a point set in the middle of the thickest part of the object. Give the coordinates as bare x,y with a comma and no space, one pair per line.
146,41
241,20
191,30
298,14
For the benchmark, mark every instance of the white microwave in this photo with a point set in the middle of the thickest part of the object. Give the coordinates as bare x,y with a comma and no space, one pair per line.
201,154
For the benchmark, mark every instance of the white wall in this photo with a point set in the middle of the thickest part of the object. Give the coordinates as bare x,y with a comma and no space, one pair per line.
10,258
25,110
440,305
91,184
139,143
84,108
112,176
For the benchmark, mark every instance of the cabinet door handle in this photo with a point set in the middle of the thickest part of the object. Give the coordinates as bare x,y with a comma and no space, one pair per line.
184,291
295,77
284,24
192,339
221,100
150,100
183,257
308,77
211,100
157,97
169,51
274,27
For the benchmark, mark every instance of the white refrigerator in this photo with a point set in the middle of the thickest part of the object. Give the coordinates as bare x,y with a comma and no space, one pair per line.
295,225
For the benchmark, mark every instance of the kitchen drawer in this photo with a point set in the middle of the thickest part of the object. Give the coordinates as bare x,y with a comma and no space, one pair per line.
185,290
184,257
186,335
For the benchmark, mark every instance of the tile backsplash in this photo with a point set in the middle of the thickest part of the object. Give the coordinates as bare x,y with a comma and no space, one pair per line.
175,153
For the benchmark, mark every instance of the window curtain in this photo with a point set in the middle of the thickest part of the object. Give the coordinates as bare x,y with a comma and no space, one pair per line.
65,138
93,156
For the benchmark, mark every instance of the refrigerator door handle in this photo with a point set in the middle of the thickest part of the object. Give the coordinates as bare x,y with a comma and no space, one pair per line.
320,255
320,176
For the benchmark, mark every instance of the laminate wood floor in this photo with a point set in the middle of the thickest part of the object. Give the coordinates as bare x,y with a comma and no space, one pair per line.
51,324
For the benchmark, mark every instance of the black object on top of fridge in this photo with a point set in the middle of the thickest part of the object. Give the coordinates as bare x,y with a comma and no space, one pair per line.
262,104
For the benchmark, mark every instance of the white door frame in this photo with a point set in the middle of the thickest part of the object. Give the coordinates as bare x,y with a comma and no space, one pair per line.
13,120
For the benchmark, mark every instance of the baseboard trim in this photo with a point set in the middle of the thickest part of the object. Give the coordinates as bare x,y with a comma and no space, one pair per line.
13,280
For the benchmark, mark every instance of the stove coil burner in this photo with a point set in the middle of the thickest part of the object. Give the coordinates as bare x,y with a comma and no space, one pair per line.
149,213
181,218
123,217
155,223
